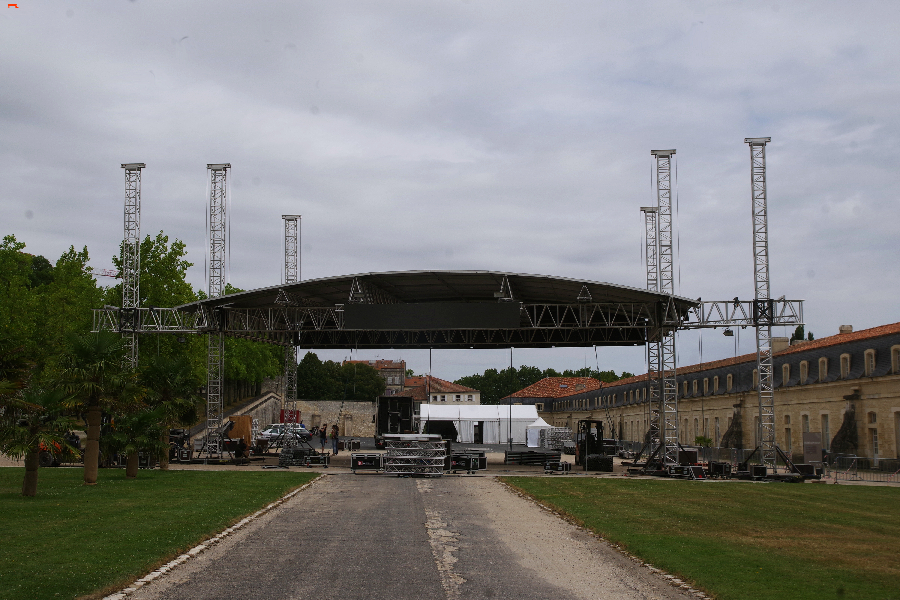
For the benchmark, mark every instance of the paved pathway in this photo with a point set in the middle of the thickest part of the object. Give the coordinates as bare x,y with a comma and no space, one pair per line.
378,537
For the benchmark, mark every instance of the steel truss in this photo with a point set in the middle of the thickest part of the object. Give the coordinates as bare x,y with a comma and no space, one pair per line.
765,384
745,313
131,255
291,275
654,347
668,319
216,349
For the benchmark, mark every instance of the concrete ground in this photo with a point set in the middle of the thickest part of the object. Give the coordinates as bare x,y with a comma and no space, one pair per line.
383,537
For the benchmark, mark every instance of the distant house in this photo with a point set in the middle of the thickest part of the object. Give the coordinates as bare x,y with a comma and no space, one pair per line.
436,391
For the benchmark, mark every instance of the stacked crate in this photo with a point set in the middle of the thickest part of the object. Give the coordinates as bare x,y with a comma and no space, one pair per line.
411,454
554,437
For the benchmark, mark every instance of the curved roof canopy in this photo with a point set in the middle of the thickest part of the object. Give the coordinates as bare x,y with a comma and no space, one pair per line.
449,309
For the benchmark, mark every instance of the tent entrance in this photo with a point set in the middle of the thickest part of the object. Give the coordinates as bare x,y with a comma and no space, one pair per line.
478,437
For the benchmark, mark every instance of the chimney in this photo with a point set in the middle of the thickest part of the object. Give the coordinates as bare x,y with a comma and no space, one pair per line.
845,329
780,343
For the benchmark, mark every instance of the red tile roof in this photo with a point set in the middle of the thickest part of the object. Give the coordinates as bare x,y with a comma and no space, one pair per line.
825,342
557,387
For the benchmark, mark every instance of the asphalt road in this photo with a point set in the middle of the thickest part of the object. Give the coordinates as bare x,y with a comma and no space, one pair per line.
379,537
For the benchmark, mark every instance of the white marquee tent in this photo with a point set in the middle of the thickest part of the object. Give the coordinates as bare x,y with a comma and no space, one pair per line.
494,420
533,432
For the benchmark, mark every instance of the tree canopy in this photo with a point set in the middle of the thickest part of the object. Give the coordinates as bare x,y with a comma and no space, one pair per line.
330,380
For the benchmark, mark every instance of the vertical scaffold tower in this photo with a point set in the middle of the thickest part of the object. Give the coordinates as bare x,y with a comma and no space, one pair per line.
131,260
216,350
762,306
291,275
654,343
666,317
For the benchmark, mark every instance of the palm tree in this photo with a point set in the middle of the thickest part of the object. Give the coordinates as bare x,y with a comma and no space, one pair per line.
172,389
94,376
137,432
32,421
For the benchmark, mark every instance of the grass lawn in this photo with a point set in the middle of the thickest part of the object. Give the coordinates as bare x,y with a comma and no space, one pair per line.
73,540
743,540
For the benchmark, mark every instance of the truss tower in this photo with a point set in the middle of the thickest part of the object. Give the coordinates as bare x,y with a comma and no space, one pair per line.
763,306
667,318
215,362
654,345
291,275
131,260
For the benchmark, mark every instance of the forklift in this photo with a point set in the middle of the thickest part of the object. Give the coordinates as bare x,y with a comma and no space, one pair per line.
589,441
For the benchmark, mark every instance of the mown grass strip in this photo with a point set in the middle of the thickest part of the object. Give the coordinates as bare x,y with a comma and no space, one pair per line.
741,540
73,540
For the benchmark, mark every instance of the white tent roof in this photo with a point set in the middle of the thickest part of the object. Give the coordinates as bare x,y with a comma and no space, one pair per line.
477,412
540,423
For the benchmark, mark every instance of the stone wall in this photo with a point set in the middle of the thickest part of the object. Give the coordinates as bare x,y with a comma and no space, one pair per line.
354,419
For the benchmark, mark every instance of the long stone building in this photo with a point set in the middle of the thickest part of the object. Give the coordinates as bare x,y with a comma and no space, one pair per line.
846,386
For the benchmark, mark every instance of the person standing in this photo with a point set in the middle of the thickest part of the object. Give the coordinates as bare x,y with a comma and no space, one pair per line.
323,435
334,439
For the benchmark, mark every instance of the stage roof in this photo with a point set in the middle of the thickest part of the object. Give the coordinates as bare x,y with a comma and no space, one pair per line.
443,309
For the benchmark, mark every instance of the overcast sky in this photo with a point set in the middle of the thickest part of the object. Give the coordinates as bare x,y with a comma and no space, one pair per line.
508,136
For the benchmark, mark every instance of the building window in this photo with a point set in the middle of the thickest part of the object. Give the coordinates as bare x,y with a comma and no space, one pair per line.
755,378
804,419
823,368
874,443
785,374
845,366
787,419
716,384
718,435
539,406
443,398
696,428
826,432
705,386
895,359
684,385
729,382
787,439
458,398
804,371
696,386
470,398
873,418
869,363
706,427
434,398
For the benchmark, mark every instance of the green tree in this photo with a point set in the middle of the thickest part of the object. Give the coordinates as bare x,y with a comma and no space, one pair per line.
136,432
92,373
172,392
360,382
330,380
33,421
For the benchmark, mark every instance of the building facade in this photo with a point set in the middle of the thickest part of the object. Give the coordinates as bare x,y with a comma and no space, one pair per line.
845,387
